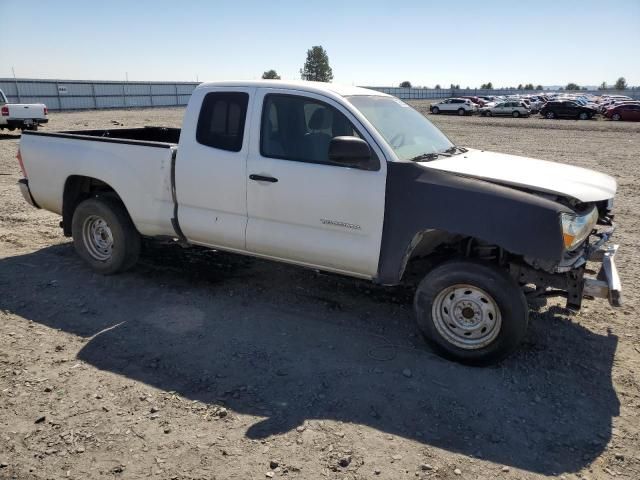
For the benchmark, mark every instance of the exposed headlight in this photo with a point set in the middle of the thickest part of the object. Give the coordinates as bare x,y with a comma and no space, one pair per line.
576,228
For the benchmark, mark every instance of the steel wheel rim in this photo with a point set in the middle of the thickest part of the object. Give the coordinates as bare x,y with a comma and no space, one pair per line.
466,316
97,238
616,116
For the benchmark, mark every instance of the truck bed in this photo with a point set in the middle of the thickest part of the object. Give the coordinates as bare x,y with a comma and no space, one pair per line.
137,163
150,136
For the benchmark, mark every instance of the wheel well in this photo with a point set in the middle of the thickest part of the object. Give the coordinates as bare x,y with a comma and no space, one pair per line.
78,188
432,247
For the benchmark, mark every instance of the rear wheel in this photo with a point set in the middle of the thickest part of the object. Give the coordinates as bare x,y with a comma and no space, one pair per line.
461,111
104,235
515,114
471,312
616,117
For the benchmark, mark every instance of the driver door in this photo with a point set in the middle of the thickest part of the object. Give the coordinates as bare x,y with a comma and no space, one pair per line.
301,207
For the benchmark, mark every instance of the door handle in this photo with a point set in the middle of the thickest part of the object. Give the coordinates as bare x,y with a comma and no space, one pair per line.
262,178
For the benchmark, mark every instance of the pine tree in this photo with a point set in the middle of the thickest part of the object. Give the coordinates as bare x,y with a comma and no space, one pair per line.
317,68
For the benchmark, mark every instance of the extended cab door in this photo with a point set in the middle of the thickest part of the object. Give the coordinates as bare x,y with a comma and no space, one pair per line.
211,166
301,207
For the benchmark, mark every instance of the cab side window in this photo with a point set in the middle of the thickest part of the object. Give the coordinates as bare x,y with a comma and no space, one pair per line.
222,119
300,128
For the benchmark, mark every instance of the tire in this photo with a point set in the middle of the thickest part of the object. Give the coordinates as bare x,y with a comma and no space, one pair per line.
435,110
550,115
498,305
616,116
104,235
489,113
515,114
583,116
461,112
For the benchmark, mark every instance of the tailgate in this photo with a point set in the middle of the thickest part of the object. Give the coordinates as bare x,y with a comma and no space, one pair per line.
23,111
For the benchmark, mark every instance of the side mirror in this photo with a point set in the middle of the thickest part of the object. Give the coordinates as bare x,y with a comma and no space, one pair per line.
349,151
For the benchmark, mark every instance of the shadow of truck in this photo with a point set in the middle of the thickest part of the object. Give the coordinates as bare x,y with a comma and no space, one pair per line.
290,344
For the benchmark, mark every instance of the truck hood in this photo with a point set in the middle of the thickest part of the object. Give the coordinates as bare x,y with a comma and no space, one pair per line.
578,183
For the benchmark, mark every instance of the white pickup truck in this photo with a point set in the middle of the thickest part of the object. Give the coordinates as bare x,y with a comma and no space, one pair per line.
25,116
345,180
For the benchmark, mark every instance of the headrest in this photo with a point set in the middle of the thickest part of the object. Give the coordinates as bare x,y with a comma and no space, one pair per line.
319,119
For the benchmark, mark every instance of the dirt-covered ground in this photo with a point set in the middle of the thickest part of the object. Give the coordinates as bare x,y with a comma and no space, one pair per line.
203,365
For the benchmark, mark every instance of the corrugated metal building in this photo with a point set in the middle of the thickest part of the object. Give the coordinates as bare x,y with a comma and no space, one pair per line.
87,94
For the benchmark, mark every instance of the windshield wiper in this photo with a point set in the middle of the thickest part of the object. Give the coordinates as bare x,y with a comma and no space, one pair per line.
452,150
429,156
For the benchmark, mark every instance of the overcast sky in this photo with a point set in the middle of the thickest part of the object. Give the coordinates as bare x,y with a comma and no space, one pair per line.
374,43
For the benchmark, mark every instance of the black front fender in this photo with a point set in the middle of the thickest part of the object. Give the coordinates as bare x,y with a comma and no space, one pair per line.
419,199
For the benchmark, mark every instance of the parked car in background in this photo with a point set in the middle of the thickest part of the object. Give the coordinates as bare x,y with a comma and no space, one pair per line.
25,116
626,111
533,103
511,108
461,106
567,109
477,100
615,103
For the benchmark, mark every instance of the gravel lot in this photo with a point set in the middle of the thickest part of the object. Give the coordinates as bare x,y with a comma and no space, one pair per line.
202,365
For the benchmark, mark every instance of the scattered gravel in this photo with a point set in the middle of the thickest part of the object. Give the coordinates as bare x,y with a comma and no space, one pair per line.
229,355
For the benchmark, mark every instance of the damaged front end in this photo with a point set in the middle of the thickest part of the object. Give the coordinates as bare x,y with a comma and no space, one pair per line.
572,277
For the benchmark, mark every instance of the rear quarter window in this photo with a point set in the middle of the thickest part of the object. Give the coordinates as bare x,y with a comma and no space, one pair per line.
222,120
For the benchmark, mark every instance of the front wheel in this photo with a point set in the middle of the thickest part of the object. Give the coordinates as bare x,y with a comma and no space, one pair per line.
104,235
435,110
471,312
584,116
616,117
550,115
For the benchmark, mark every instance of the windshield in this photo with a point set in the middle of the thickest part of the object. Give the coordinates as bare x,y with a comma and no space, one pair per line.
407,131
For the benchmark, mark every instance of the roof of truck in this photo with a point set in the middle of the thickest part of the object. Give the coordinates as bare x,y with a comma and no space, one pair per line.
318,87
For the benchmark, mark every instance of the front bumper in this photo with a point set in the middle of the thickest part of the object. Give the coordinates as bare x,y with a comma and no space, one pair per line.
574,280
607,284
23,183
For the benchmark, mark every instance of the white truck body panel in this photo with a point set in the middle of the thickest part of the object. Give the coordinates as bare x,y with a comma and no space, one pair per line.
140,175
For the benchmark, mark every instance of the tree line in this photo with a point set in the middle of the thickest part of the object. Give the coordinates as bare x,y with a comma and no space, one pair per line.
316,68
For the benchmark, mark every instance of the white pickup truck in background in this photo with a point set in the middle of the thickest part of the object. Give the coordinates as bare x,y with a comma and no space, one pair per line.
345,180
23,116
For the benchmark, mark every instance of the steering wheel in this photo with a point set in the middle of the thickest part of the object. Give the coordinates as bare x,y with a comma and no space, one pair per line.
397,140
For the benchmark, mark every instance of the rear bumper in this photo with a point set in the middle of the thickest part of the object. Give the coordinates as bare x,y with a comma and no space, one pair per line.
607,283
23,184
22,122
